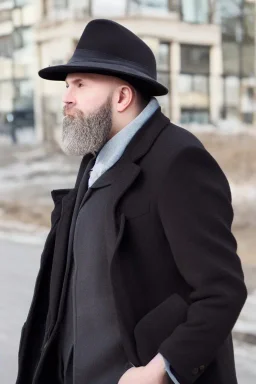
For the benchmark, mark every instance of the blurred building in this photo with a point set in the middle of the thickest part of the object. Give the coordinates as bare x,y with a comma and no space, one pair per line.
204,50
238,21
17,61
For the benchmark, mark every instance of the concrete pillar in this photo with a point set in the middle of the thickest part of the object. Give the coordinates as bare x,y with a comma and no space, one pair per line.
38,113
174,88
38,107
215,91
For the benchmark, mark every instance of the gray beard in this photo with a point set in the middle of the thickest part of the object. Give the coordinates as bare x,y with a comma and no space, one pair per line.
86,134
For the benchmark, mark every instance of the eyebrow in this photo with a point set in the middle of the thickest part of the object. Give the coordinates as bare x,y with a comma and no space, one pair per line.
75,81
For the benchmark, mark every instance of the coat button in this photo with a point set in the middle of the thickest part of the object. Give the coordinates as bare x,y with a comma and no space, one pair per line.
195,371
202,367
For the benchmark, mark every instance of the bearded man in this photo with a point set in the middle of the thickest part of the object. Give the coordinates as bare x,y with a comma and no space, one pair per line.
139,282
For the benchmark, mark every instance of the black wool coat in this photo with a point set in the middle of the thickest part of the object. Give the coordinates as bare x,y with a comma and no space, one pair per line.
177,280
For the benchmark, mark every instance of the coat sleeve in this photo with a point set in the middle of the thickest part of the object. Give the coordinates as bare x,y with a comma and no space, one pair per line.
194,205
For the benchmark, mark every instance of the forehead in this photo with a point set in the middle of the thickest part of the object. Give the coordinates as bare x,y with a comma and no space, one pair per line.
92,77
79,76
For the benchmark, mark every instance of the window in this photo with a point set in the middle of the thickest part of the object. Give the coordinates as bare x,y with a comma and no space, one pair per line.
194,77
86,7
163,57
193,83
6,46
250,93
231,97
20,3
134,7
163,74
247,103
175,6
195,59
195,11
247,117
5,15
22,37
194,80
44,7
23,94
148,6
60,4
232,86
230,52
24,88
238,58
163,64
201,83
164,78
104,8
189,116
237,20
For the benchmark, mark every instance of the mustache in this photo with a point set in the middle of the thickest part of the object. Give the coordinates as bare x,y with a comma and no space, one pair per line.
76,112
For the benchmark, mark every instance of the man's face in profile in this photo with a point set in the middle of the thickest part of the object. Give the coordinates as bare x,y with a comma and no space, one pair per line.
87,113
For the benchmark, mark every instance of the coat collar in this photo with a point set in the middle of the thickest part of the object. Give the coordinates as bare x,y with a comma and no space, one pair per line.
126,168
122,175
137,148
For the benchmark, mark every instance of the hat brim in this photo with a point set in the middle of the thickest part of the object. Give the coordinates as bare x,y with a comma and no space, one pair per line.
137,78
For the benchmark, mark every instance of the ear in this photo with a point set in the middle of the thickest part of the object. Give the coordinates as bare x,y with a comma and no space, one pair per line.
126,95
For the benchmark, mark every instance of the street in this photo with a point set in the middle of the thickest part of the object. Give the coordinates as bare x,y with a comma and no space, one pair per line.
19,263
18,267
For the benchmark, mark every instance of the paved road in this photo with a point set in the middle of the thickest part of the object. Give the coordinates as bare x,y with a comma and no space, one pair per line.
19,263
18,267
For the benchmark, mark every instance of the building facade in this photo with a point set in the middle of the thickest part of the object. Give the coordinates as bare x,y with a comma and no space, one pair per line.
237,20
204,51
17,61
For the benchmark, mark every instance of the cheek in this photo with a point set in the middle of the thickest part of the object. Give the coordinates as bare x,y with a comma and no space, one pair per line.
90,101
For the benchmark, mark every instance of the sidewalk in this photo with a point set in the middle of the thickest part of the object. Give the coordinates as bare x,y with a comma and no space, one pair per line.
27,177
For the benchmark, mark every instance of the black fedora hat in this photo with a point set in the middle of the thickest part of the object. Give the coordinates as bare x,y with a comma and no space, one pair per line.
109,48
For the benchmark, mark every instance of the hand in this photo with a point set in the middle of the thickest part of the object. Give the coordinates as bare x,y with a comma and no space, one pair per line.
153,373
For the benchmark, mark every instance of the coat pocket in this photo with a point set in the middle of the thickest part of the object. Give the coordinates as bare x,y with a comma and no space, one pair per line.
157,325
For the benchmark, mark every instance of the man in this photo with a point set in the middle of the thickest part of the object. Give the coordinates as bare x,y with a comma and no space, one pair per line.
139,279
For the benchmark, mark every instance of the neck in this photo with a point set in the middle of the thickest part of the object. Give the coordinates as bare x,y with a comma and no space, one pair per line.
123,120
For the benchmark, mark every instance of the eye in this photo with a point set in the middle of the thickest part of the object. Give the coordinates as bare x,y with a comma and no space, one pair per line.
80,85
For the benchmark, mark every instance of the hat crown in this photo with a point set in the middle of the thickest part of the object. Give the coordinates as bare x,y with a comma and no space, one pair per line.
112,39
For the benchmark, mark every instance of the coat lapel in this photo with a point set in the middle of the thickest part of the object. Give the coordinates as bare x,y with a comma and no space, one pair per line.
123,174
66,206
127,174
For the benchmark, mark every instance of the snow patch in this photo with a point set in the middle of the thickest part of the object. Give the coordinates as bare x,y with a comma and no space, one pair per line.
243,192
246,322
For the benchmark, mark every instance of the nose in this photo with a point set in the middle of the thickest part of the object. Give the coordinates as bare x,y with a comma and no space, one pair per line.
68,98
